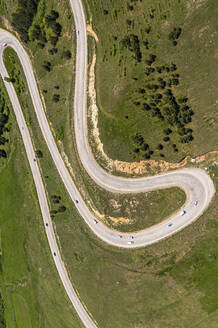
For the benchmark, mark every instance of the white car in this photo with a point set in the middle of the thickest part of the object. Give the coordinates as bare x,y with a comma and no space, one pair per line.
4,44
182,213
196,203
95,221
130,242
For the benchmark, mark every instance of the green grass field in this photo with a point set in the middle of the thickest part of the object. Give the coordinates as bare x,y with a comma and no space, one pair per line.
138,210
170,284
32,293
122,82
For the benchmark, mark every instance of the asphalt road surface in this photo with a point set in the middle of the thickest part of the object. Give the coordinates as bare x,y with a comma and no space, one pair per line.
197,184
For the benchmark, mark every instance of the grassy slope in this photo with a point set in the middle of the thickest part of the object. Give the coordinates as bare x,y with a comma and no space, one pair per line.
196,60
166,285
130,286
32,293
146,287
171,284
143,210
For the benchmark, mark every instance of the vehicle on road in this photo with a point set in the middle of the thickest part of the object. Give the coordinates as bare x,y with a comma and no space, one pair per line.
4,44
182,213
196,203
46,224
130,242
77,201
34,159
54,254
170,225
95,221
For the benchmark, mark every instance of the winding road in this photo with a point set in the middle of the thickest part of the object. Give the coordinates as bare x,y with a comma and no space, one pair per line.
196,183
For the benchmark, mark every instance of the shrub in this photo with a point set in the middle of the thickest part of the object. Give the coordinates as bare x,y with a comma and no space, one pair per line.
166,139
131,42
47,66
145,146
160,146
67,54
39,153
3,140
147,156
146,107
9,79
56,98
53,212
57,28
3,153
167,131
146,43
175,34
138,139
62,209
52,51
52,17
148,29
129,7
53,40
41,45
149,70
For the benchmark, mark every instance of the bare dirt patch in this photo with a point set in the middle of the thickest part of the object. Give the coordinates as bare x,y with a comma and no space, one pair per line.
91,32
120,220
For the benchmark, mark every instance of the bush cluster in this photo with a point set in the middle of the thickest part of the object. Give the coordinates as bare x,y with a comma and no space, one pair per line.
174,35
4,116
38,32
23,17
61,208
132,43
